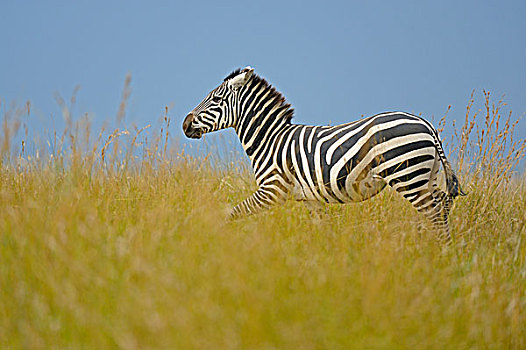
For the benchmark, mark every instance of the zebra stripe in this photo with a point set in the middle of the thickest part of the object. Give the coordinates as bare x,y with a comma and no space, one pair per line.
336,164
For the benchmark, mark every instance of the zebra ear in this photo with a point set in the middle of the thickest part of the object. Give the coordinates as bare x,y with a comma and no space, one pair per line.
240,79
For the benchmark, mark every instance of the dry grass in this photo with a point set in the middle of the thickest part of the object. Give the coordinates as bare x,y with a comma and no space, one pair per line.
107,245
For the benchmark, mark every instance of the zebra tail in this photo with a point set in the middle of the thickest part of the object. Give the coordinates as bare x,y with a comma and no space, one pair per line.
452,183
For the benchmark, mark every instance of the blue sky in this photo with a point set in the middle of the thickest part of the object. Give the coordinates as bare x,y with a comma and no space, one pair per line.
333,60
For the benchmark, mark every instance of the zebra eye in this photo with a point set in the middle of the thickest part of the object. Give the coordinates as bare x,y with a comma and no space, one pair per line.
216,98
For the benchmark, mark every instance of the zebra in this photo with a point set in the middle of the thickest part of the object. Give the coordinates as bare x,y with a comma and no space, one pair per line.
344,163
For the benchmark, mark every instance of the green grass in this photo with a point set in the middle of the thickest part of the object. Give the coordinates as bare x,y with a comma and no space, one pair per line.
98,256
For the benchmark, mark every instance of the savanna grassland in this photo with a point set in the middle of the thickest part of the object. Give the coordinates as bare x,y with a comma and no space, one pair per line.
119,240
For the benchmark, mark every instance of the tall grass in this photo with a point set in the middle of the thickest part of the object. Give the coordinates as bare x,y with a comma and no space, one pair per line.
119,240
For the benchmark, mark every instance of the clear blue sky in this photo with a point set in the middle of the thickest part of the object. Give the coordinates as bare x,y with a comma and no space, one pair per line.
333,60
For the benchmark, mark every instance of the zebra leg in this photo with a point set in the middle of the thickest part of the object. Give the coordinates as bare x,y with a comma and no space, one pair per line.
316,209
421,188
434,205
264,198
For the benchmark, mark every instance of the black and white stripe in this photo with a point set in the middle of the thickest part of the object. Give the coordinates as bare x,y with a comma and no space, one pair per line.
337,164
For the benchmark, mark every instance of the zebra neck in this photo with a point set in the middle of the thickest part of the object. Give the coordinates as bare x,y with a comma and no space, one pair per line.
263,114
257,132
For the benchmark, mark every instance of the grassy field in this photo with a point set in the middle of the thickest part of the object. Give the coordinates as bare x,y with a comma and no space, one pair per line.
100,249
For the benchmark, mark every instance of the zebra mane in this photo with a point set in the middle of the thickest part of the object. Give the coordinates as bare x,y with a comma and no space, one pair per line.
233,74
274,94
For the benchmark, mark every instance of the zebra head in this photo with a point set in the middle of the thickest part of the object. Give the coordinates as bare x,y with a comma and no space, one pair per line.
218,110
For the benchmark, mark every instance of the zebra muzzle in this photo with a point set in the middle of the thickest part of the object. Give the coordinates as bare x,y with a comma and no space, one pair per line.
189,131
